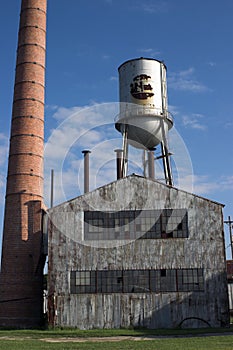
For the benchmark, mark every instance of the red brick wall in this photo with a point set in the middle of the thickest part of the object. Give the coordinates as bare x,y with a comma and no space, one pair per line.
22,262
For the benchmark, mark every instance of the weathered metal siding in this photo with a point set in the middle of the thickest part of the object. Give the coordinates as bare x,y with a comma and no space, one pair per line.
230,294
204,248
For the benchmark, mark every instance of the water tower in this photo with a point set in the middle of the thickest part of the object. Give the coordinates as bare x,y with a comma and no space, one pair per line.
144,120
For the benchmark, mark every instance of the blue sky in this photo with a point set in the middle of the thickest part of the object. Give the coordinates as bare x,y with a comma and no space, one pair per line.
86,42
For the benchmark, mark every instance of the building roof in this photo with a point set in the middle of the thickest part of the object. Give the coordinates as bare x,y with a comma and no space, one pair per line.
144,179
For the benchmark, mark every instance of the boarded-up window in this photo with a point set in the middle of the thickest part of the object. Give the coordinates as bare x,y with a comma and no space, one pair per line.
135,224
137,281
190,279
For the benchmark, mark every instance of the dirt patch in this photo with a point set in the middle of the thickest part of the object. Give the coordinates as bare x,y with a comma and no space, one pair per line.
94,339
112,339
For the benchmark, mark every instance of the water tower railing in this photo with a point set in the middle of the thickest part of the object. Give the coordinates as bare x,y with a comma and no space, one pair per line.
143,111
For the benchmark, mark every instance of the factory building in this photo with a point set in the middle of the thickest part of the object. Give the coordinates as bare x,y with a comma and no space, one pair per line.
137,253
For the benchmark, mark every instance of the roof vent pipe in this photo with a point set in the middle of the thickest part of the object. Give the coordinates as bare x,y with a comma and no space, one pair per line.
86,170
119,163
151,164
52,188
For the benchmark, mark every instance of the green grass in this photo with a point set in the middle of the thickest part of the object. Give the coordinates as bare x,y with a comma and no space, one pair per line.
200,343
164,339
73,333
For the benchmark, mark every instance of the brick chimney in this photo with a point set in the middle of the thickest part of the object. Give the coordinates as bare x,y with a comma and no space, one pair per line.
21,278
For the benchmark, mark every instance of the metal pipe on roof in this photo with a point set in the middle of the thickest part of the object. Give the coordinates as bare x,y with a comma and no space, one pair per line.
52,188
86,170
119,157
151,164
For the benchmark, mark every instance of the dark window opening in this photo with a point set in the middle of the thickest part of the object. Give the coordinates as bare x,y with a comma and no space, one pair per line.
163,273
137,281
136,224
180,226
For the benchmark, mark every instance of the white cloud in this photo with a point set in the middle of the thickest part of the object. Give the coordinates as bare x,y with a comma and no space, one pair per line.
193,121
2,187
149,52
3,166
114,78
81,128
205,185
228,124
174,110
153,7
51,107
212,64
3,148
201,184
105,57
227,182
61,113
186,73
185,81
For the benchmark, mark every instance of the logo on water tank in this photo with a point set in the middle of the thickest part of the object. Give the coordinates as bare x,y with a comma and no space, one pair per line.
140,88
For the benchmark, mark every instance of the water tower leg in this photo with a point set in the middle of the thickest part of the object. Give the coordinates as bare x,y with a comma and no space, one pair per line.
144,162
166,159
125,153
166,164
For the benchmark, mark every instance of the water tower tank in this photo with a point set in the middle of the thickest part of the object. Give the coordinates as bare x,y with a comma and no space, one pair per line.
143,108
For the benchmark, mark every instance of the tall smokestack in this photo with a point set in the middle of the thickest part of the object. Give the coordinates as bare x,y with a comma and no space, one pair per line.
21,279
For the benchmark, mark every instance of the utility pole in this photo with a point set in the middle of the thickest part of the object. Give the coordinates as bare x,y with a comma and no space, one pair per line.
229,222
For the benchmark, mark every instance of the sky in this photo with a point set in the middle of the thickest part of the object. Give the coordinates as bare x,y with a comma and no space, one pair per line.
86,43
